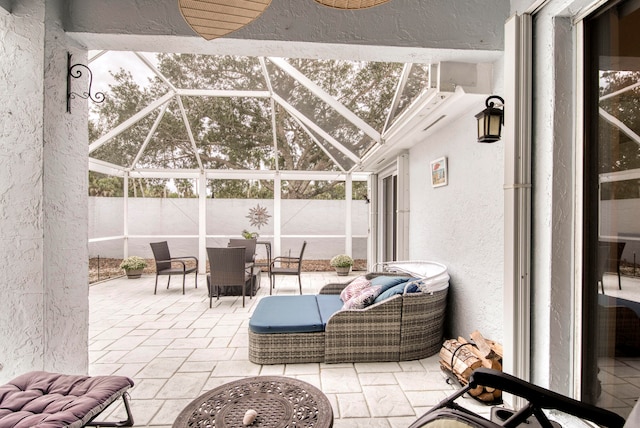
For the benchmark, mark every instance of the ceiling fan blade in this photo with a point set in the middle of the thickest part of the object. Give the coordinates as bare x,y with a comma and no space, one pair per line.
215,18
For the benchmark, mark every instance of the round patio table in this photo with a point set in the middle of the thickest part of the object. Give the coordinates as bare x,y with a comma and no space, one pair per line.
280,402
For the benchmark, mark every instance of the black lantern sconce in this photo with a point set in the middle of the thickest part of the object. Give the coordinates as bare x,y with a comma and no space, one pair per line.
490,121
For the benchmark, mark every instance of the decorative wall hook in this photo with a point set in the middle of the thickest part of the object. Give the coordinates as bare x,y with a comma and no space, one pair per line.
75,71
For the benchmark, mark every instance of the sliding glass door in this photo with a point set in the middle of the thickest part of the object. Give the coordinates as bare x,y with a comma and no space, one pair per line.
611,288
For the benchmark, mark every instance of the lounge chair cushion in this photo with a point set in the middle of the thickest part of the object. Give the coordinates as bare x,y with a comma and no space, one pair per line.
286,314
47,400
328,304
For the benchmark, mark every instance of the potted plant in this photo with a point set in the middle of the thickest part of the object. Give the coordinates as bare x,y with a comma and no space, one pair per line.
342,264
249,235
133,266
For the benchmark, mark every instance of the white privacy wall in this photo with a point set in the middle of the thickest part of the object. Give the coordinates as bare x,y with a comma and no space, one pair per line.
461,224
320,222
43,272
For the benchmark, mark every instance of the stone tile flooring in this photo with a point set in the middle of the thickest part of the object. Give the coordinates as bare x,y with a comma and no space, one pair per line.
175,348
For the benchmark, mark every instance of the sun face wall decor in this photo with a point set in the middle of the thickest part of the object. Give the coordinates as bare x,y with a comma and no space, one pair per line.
258,216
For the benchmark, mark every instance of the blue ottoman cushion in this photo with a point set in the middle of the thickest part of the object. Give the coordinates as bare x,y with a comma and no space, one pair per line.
286,314
328,304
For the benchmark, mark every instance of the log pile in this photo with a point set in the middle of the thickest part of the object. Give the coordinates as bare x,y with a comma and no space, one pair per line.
460,357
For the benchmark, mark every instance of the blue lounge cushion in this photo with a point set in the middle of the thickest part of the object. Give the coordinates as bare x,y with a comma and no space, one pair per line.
328,304
286,314
386,282
397,289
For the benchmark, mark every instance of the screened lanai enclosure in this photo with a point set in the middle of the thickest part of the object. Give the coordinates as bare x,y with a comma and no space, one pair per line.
197,149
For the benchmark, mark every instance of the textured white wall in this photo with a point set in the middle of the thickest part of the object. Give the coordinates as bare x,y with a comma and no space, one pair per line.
64,205
552,278
461,224
22,344
43,316
5,6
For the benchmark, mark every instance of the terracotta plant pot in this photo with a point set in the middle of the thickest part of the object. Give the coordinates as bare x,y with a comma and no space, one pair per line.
134,273
343,271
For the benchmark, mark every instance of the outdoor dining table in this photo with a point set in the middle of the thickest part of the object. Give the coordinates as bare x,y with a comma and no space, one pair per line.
279,402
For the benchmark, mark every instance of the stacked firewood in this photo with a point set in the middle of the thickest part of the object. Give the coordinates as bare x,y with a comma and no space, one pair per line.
460,357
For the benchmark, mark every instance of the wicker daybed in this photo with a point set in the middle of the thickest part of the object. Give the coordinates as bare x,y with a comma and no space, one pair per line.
406,326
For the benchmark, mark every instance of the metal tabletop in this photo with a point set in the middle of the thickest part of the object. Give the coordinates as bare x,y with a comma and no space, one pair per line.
279,401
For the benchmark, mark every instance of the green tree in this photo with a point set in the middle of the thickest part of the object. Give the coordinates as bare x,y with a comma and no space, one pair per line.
236,132
617,150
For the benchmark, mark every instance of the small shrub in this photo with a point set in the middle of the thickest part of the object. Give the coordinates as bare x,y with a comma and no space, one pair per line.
249,235
133,263
341,260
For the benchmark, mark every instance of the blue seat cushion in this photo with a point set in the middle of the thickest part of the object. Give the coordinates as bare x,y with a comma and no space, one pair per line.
286,314
328,304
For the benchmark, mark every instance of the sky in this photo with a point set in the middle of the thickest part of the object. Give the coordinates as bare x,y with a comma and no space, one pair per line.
112,61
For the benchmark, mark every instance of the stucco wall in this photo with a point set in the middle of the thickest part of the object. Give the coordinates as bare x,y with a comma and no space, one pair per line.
43,292
21,113
461,224
64,216
552,248
225,218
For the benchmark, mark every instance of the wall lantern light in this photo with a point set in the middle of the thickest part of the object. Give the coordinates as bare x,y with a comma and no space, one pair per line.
490,121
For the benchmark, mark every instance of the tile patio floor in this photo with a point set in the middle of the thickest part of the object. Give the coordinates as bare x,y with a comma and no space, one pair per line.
175,348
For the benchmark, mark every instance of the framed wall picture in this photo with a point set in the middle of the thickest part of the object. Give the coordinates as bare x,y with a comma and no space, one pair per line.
439,172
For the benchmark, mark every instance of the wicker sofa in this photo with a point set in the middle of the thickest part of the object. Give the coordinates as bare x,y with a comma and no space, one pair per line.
399,328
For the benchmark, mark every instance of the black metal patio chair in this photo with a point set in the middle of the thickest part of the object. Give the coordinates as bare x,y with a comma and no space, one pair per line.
226,269
285,265
165,264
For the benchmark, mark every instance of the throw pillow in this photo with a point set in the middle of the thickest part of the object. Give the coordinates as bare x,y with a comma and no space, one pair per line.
354,287
398,289
386,282
364,299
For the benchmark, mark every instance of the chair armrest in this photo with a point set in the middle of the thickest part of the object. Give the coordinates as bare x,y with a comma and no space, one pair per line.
182,260
285,259
543,398
185,258
333,288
